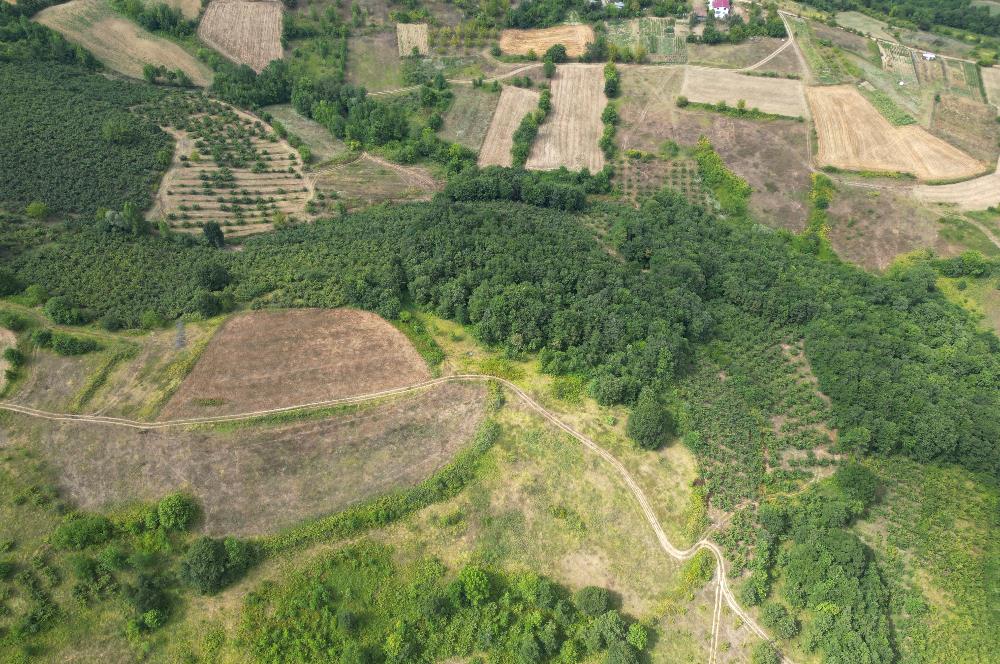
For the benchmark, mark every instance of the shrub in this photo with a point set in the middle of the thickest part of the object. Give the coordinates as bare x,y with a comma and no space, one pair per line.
177,511
79,531
592,600
764,653
37,210
60,310
211,564
14,357
67,344
649,424
9,283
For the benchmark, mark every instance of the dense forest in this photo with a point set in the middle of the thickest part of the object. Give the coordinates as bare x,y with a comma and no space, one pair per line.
924,13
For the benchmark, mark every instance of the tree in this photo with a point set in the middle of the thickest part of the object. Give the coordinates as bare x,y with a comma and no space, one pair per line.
213,233
9,283
177,511
649,424
556,53
764,653
549,68
205,565
37,210
592,600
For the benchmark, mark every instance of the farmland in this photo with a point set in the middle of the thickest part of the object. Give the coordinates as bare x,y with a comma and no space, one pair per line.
523,42
771,95
411,37
244,31
117,42
364,180
468,118
514,104
569,136
228,167
655,36
301,357
991,83
854,136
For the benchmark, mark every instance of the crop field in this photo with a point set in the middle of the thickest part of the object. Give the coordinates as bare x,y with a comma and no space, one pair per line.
522,42
244,31
570,134
410,36
253,481
514,104
963,78
898,60
991,83
298,356
826,66
968,125
854,136
368,180
118,42
771,95
468,117
640,178
460,38
655,35
228,167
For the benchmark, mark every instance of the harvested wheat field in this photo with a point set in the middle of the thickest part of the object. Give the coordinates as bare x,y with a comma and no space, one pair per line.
258,183
771,95
570,134
521,42
272,359
514,104
411,36
247,32
975,194
261,480
855,136
117,42
991,83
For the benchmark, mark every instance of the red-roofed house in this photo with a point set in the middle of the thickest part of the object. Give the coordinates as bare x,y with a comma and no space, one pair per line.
720,8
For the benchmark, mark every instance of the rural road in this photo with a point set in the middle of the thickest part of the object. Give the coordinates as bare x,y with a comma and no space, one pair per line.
723,590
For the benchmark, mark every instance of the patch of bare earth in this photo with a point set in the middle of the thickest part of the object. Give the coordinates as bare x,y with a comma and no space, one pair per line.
247,32
257,481
521,42
514,104
273,359
570,134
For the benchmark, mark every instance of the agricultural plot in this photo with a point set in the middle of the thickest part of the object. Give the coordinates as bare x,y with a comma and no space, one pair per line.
514,104
368,180
967,124
865,24
976,194
963,78
655,36
898,60
570,135
732,56
463,37
273,359
771,95
991,83
468,117
826,65
411,37
256,481
854,136
117,42
640,178
246,32
228,167
523,42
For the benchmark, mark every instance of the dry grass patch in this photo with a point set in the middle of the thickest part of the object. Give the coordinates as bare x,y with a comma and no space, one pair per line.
261,480
247,32
771,95
410,36
273,359
514,104
975,194
991,83
855,136
369,180
967,124
570,134
117,42
319,139
733,56
468,118
523,42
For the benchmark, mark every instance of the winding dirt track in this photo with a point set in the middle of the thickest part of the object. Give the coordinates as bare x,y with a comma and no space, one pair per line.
723,591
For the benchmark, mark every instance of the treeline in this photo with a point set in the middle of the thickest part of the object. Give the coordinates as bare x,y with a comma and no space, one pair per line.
527,130
22,40
157,17
925,14
560,189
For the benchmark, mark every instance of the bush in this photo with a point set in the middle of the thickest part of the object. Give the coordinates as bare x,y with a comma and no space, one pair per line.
211,564
14,357
62,343
177,511
9,283
61,311
80,531
592,600
764,653
37,210
14,322
649,424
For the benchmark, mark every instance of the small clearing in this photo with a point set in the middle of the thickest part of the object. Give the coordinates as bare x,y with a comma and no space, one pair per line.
246,32
411,36
854,136
771,95
468,117
319,139
976,194
271,359
522,42
514,104
369,180
117,42
570,134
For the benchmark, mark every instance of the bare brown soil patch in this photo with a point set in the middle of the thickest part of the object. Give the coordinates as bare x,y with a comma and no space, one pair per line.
271,359
247,32
771,95
570,134
968,125
411,36
252,482
522,42
514,104
118,42
855,136
771,156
